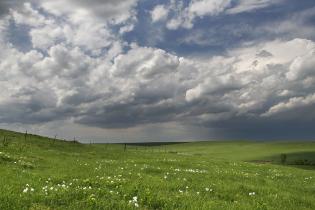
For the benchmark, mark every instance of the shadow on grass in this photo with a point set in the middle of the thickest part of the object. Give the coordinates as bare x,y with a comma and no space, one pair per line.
304,160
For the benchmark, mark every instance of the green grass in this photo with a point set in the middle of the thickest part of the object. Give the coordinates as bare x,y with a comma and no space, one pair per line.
40,173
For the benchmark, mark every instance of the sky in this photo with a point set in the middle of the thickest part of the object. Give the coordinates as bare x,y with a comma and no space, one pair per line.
165,70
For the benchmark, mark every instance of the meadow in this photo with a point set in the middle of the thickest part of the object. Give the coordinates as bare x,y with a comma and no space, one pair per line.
43,173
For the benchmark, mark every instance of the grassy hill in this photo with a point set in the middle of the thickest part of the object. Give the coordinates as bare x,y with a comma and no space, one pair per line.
43,173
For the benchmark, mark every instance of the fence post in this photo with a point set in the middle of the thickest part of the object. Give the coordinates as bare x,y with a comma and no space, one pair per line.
25,136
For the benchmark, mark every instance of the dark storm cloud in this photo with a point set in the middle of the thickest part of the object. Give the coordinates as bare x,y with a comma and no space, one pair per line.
32,112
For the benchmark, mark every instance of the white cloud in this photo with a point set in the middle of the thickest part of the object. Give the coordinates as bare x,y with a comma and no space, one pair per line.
91,35
158,13
85,72
46,36
291,104
147,85
184,16
248,6
29,16
126,28
303,66
202,8
82,30
117,11
213,85
145,63
4,24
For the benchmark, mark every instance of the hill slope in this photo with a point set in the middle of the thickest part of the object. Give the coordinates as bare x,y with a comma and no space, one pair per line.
42,173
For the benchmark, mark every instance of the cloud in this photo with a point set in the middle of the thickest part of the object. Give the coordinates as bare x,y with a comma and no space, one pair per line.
249,6
114,10
45,31
201,8
264,53
143,85
158,13
184,16
27,15
6,5
296,24
46,36
291,104
79,69
214,85
303,66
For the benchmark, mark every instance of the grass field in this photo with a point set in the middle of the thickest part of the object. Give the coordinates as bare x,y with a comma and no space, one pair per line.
42,173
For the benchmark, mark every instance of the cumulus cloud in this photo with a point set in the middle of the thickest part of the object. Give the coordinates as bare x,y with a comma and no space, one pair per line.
6,5
80,69
114,10
158,13
184,16
213,85
201,8
248,6
90,33
302,66
27,15
149,85
291,104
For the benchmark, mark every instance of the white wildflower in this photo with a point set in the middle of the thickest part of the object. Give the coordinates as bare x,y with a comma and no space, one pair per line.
251,193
